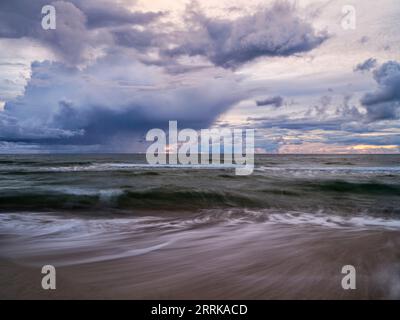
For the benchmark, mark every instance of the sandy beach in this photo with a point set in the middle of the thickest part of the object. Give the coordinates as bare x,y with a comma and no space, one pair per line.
226,261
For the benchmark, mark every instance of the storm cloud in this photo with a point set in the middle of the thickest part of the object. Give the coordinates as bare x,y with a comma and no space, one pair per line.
101,13
87,29
84,27
109,100
276,101
274,31
384,103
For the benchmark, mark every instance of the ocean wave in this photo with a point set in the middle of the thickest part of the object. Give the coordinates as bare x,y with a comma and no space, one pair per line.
152,198
331,170
334,221
101,167
302,194
236,216
38,225
357,187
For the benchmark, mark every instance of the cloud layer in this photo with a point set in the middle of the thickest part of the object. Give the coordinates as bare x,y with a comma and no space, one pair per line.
114,69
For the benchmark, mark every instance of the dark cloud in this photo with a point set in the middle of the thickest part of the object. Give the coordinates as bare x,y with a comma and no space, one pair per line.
275,31
20,18
367,65
276,101
132,38
384,103
346,117
348,111
112,101
13,129
71,40
84,27
101,13
303,124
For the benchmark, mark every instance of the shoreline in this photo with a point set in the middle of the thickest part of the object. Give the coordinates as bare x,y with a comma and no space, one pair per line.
245,261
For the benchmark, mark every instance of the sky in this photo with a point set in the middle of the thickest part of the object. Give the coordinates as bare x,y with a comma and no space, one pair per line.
309,76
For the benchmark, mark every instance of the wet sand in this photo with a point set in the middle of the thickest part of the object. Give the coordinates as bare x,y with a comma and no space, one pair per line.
207,261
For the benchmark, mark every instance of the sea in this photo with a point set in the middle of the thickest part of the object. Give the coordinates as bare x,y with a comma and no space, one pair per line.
117,227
